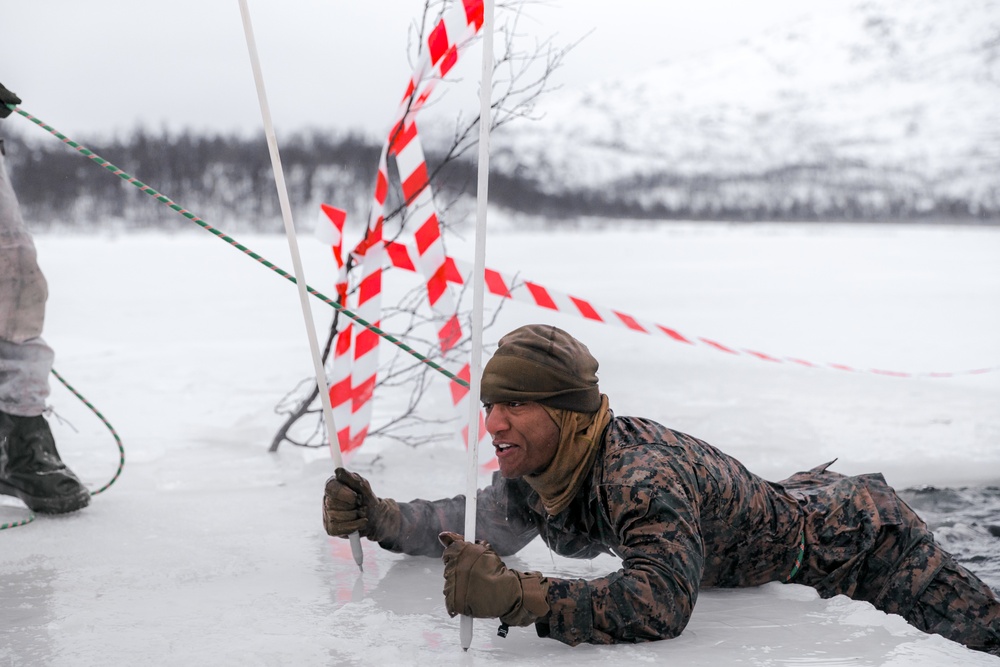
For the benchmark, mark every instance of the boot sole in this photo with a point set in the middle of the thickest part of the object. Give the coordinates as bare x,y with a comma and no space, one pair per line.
50,505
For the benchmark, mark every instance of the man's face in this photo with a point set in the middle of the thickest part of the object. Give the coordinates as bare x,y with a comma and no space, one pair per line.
525,438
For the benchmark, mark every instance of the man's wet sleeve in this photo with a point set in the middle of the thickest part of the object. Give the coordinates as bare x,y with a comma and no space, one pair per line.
501,520
654,593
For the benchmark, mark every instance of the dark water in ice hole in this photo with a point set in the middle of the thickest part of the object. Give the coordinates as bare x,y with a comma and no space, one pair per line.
966,523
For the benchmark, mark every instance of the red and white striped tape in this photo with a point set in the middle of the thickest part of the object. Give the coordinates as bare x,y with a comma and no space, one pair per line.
525,291
355,364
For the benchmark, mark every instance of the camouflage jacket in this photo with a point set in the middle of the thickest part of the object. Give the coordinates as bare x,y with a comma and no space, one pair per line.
678,512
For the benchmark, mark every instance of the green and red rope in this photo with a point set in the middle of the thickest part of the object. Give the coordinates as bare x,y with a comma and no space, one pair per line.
97,159
163,199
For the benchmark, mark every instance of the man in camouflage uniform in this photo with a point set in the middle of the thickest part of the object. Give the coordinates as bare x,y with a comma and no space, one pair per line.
678,512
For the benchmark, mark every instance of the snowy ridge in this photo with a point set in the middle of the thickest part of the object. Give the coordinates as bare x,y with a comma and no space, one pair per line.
873,108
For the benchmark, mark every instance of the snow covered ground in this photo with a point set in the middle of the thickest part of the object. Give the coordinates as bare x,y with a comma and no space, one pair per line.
209,550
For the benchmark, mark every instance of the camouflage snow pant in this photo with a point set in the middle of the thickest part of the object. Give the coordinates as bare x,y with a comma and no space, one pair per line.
863,541
25,358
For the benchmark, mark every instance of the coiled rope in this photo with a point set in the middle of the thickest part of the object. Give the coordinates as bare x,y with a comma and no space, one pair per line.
118,441
114,434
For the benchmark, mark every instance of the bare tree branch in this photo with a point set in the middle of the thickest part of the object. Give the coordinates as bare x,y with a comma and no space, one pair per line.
521,75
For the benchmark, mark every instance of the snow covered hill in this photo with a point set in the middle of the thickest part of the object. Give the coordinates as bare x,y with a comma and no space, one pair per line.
866,109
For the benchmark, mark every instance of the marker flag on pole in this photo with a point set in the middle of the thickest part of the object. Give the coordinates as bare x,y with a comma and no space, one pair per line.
333,232
355,358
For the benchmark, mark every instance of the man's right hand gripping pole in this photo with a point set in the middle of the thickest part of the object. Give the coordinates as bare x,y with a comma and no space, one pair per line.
349,506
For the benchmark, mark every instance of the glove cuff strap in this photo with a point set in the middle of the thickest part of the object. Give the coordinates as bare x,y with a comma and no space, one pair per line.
386,522
534,602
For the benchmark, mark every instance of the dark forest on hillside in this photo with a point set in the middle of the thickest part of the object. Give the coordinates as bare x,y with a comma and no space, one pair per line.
227,179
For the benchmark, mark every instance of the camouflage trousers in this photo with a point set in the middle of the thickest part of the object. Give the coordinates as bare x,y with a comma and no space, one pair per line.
25,358
863,541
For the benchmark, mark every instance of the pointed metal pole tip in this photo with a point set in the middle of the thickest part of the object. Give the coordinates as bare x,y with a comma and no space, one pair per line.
465,632
359,555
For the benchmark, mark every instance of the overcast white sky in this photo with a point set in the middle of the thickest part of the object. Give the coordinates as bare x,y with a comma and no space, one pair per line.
105,65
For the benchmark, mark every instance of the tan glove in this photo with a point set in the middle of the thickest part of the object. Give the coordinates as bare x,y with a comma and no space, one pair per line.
349,505
478,584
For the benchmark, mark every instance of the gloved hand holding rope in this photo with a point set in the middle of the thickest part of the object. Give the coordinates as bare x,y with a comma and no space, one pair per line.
7,97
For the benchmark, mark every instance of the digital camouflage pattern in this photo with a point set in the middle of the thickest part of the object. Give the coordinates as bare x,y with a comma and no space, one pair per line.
682,515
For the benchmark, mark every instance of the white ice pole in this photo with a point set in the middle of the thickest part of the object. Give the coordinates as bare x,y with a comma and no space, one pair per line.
300,279
478,272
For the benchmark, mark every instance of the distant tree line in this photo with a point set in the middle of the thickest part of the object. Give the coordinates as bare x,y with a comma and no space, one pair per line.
227,180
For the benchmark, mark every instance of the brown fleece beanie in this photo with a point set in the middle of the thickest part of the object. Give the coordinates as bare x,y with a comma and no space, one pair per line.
544,364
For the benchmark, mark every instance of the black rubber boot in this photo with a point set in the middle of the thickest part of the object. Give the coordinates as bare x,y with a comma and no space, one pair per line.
30,467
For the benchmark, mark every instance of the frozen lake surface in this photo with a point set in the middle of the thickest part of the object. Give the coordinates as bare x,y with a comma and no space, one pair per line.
210,550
